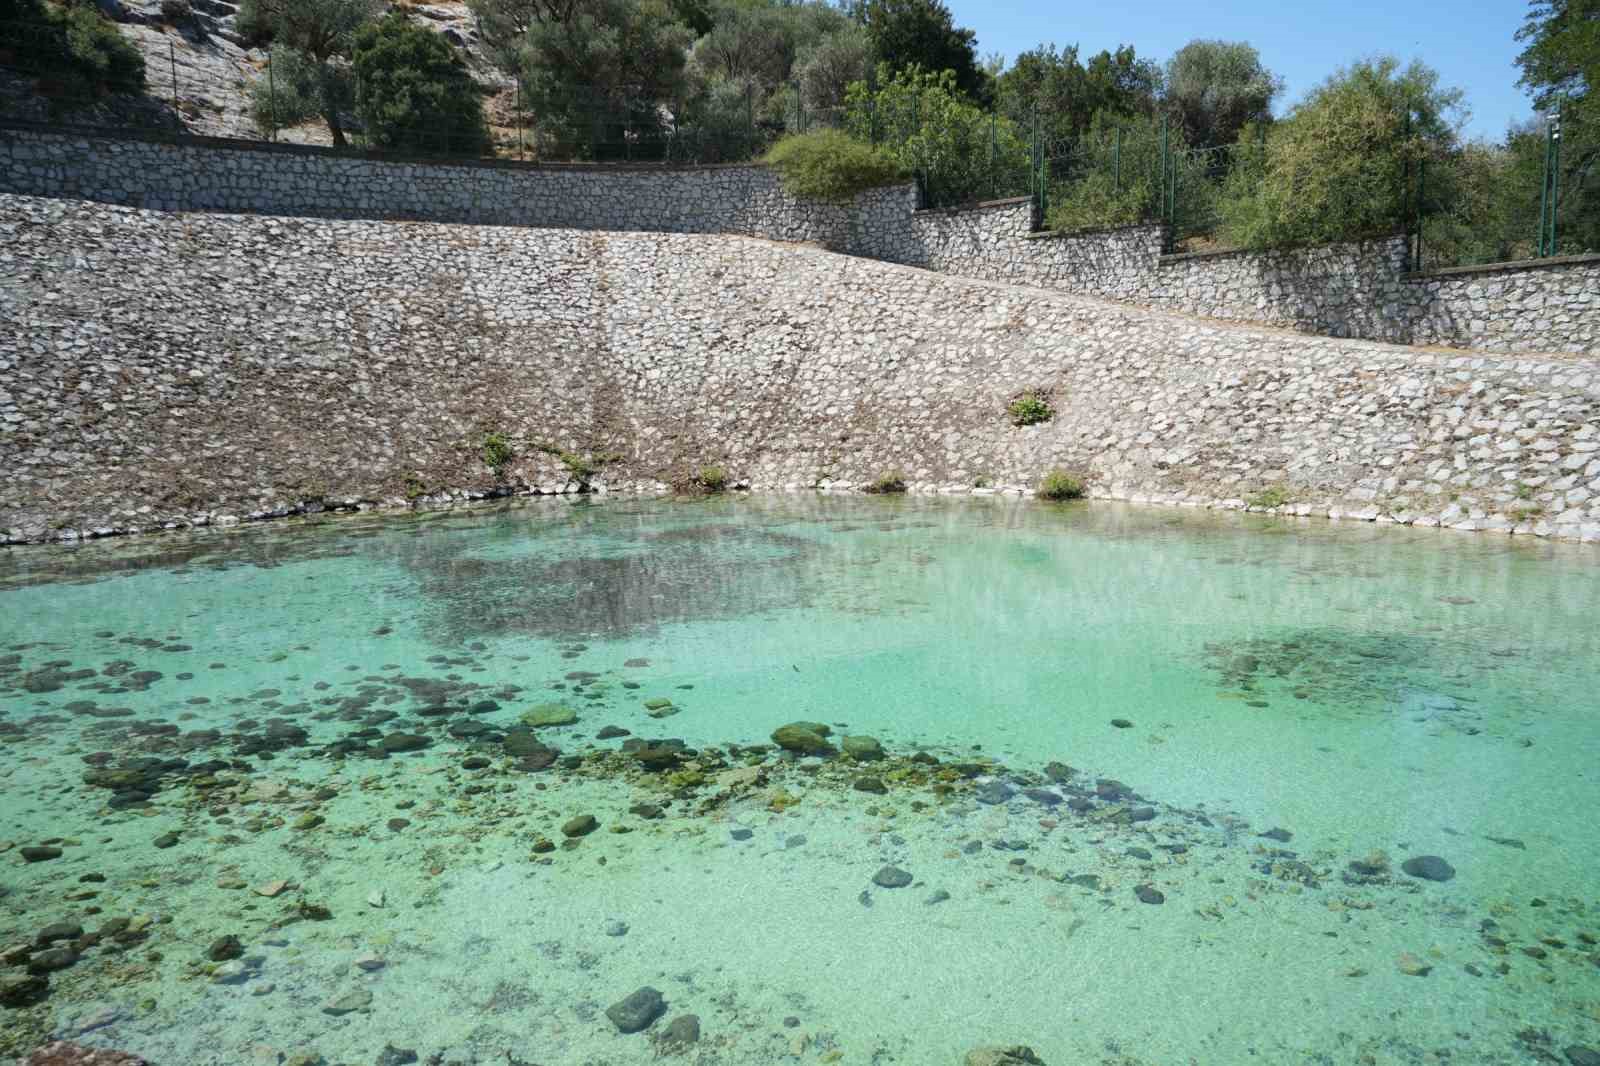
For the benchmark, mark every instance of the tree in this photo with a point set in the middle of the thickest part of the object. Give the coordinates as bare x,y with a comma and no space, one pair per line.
827,69
1215,87
1340,165
74,46
1562,53
923,33
1063,96
1561,69
922,120
320,34
414,92
598,76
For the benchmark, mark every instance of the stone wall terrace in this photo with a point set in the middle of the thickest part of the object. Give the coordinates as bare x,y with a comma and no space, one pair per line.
161,369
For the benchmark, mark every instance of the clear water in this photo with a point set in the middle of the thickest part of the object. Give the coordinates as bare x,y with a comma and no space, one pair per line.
1365,689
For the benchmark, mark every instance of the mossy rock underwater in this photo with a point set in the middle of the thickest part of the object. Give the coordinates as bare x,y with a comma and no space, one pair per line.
807,738
546,714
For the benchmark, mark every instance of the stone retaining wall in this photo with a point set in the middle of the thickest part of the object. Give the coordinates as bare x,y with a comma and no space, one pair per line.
1348,290
201,174
1358,289
165,369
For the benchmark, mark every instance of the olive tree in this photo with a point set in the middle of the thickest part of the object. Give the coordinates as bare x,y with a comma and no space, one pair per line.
311,42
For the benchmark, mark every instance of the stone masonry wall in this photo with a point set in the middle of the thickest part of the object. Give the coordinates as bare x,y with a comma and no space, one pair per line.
165,369
1347,290
1359,289
200,175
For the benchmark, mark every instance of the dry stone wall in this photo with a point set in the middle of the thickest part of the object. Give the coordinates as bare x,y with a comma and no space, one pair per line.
159,369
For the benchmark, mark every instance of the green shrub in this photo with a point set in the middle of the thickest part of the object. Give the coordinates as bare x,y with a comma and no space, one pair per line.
1095,202
1060,485
496,450
887,483
1029,409
928,124
1342,164
77,48
415,94
582,468
176,12
831,165
712,478
1268,498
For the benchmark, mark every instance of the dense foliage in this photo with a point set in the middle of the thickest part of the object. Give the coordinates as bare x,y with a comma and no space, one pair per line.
1342,163
832,166
75,51
1215,88
414,94
310,75
959,151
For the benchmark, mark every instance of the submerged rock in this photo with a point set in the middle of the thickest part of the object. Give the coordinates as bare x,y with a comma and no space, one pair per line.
581,826
637,1012
891,877
862,749
62,1053
396,743
23,991
1002,1056
224,948
549,714
351,1001
993,792
1411,965
1429,868
33,853
684,1029
806,738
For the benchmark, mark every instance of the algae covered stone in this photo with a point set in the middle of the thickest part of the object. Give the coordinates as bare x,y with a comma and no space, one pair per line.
659,707
546,714
807,738
862,749
638,1011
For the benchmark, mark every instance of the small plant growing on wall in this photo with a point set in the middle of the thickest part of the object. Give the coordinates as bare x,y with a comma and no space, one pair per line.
886,483
496,450
1030,408
712,479
1060,485
582,468
1268,498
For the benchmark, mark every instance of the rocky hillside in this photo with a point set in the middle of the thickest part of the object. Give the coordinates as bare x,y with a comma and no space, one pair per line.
199,71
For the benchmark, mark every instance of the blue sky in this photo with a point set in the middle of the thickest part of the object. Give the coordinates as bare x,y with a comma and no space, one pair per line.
1470,42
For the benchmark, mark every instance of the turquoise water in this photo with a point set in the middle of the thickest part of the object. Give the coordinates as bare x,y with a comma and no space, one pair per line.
1108,705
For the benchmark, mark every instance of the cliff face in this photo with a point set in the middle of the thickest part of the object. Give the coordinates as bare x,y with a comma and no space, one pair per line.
199,71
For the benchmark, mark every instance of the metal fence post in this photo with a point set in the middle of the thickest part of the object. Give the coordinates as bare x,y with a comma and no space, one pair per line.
1163,187
272,95
1116,163
172,55
519,118
1555,183
1422,177
1550,188
992,135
